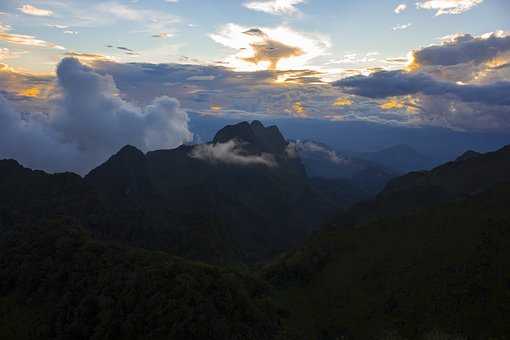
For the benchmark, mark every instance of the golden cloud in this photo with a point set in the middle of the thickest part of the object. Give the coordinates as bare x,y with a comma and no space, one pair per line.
279,48
343,102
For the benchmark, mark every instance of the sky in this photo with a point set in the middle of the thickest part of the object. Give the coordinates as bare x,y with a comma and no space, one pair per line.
85,77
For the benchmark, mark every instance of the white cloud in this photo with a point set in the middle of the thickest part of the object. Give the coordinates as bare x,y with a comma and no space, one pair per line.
88,122
32,10
232,153
304,147
275,7
57,26
265,48
400,8
448,6
402,27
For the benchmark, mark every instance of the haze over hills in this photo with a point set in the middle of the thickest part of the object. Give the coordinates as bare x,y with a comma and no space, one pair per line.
321,161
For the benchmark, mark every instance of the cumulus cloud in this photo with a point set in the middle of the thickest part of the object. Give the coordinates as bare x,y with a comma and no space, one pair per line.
400,8
232,153
88,123
265,48
448,6
35,11
275,7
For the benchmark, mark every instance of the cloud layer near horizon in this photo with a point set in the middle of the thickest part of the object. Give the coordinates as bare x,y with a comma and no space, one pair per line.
462,83
88,122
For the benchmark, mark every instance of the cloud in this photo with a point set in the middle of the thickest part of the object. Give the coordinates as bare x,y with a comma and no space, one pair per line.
232,153
463,48
88,122
265,48
57,26
448,6
402,27
275,7
400,8
87,57
32,10
26,40
398,83
162,35
309,147
151,21
433,101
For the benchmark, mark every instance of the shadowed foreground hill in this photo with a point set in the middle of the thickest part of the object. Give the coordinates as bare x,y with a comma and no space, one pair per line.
58,283
439,267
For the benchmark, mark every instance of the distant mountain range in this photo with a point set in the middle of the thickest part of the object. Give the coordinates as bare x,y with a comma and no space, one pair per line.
401,158
321,161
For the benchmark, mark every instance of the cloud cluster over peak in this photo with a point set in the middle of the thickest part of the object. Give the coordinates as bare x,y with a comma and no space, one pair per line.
88,122
231,153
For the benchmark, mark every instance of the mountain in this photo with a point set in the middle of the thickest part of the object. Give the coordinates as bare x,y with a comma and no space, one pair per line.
428,258
323,162
440,273
112,255
56,282
240,198
243,182
402,158
458,179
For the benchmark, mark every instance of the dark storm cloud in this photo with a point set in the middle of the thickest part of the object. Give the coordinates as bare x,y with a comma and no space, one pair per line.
398,83
463,49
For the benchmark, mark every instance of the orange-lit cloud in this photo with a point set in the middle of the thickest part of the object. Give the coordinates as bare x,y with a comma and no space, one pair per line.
216,108
27,40
408,103
31,92
299,110
343,102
